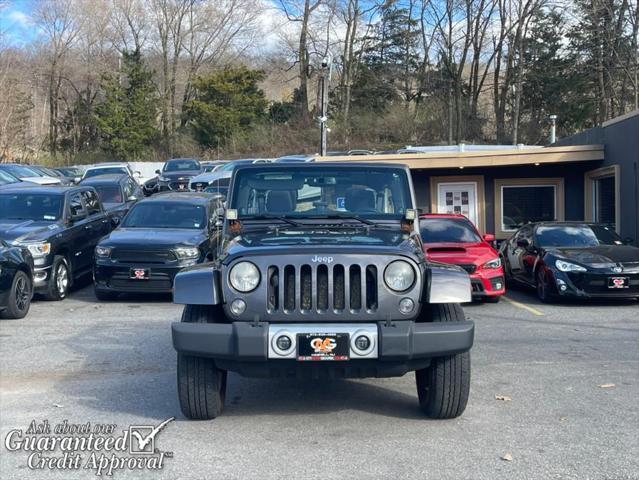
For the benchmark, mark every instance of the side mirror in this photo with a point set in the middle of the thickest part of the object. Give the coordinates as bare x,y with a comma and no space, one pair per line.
76,218
523,243
137,174
158,172
115,221
489,237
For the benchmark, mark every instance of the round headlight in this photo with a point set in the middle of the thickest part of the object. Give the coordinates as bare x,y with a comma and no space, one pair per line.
399,276
244,277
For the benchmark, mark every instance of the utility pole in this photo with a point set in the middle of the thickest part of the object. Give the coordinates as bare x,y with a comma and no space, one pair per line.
324,79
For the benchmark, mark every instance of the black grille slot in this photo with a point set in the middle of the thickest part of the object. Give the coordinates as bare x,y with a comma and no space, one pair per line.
306,287
355,279
469,267
143,256
322,287
273,288
289,287
371,287
339,301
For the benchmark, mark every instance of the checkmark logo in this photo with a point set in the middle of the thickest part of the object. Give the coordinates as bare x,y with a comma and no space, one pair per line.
142,437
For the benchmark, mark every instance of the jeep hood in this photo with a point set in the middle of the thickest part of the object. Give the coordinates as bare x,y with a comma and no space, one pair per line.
353,241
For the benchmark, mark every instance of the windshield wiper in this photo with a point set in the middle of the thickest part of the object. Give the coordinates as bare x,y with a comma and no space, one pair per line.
345,217
276,217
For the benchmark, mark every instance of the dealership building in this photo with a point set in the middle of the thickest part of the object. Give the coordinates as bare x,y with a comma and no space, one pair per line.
590,176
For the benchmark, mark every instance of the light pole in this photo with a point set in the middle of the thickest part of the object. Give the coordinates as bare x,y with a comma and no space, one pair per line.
325,76
553,128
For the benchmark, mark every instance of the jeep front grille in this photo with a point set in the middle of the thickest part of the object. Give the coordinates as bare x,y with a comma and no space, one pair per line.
321,288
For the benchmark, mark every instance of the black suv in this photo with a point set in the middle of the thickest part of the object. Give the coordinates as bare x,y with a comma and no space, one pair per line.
159,236
176,173
118,193
16,280
321,273
60,226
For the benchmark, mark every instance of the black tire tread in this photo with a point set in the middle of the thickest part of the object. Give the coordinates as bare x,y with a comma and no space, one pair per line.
443,388
201,385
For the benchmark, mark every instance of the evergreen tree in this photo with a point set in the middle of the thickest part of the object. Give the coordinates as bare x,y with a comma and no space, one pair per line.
126,118
225,103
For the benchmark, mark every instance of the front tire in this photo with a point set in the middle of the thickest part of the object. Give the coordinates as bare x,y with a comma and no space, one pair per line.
19,296
201,385
60,281
543,287
444,386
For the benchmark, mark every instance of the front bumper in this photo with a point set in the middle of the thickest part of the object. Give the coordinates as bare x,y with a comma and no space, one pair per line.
488,283
117,278
592,285
402,346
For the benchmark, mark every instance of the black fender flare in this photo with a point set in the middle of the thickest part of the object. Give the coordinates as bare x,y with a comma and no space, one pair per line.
198,285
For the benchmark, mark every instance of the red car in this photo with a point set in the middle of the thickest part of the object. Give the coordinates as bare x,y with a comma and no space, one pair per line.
454,239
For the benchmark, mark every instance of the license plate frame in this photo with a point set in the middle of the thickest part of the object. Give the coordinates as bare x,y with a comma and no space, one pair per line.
139,274
332,347
615,283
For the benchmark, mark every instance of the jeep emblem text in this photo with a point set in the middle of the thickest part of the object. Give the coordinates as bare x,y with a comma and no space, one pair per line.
317,258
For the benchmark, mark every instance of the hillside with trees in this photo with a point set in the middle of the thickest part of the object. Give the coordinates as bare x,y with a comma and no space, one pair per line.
151,79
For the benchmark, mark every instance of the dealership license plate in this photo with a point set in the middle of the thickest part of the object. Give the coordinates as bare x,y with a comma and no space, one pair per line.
320,347
618,282
139,274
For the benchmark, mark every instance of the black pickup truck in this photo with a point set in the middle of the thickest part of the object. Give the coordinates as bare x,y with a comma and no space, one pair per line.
60,226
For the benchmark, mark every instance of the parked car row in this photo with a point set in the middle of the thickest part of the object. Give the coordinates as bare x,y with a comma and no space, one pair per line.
106,227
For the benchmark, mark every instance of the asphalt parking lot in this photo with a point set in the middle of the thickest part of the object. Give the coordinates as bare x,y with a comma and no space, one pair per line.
568,376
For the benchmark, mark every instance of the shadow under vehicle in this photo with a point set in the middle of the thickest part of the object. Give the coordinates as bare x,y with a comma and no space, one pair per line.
321,273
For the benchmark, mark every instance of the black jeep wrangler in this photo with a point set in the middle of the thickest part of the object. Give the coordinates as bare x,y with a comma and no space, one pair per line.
321,273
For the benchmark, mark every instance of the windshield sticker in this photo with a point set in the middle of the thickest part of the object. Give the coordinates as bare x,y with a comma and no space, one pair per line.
341,203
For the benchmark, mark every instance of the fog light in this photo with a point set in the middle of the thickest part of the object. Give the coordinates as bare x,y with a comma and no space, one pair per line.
498,286
362,342
238,306
406,306
284,342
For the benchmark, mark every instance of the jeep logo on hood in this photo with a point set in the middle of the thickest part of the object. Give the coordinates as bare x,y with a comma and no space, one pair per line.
318,259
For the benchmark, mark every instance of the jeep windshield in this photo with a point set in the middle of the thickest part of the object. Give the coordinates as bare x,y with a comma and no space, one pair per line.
335,193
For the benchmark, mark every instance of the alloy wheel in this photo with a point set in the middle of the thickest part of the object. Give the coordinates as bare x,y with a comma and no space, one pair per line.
62,279
22,293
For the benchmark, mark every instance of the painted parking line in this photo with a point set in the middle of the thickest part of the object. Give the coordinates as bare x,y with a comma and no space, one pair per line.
528,308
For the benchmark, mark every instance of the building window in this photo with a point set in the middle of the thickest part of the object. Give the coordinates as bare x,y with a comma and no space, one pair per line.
602,196
604,193
522,204
519,201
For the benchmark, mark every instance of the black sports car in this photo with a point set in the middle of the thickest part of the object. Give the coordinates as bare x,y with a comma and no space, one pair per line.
159,236
16,280
564,259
